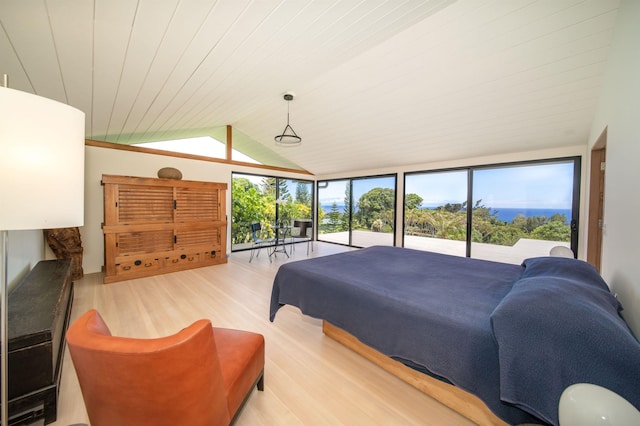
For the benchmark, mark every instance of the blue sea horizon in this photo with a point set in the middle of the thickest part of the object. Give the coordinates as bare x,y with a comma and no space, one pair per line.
505,214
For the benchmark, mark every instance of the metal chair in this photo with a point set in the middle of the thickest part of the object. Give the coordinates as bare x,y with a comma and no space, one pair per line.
301,231
258,243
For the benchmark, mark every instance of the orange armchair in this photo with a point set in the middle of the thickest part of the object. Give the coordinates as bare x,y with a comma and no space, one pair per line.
199,376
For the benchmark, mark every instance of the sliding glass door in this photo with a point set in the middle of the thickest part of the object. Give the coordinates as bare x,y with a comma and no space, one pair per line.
267,200
334,211
358,212
505,212
435,211
522,211
373,211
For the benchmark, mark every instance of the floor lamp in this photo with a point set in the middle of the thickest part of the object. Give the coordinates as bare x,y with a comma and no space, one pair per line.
41,181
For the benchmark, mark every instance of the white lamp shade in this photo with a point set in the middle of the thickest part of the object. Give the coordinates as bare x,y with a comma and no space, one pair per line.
41,162
585,404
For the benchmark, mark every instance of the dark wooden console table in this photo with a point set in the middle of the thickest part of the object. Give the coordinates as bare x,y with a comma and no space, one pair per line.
39,307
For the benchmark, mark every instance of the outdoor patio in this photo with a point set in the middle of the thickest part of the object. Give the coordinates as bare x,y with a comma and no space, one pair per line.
515,254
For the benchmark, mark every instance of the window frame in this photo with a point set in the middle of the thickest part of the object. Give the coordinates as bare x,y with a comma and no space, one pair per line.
575,203
351,180
277,195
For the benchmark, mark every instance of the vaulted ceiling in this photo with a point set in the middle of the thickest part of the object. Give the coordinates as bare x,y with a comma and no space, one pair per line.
378,83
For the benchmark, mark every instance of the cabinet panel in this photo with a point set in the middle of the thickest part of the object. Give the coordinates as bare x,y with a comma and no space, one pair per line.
144,242
154,226
198,237
144,204
193,204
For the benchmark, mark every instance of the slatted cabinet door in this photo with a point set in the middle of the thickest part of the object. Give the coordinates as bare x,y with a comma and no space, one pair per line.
154,226
200,211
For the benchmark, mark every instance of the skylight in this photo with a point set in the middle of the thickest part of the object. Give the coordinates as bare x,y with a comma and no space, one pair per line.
204,145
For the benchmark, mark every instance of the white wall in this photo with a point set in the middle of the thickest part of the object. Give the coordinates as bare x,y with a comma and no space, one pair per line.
25,249
99,161
619,110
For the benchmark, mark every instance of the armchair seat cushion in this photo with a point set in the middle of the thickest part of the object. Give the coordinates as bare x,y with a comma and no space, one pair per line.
241,354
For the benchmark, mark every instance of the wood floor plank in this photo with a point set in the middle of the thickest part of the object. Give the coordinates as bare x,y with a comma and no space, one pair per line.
309,378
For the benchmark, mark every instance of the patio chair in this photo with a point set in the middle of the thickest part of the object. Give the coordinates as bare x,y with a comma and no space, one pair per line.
302,230
258,243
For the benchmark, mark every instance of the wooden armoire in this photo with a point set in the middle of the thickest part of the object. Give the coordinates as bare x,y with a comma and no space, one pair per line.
153,226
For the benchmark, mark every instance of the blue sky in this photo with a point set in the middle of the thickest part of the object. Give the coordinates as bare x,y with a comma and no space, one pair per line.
547,186
336,189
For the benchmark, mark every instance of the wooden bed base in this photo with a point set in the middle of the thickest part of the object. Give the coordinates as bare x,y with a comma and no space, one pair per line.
466,404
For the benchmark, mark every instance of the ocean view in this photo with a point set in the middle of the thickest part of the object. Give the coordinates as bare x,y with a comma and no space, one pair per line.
505,214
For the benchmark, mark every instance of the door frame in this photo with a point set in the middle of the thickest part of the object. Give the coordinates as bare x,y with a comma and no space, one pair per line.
596,200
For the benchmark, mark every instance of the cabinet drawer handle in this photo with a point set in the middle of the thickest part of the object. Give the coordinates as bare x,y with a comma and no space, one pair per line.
138,262
191,259
146,265
183,256
126,268
174,261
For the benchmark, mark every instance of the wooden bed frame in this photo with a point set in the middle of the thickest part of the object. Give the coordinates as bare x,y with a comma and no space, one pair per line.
464,403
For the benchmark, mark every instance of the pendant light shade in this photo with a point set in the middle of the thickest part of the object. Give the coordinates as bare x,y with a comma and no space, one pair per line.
288,136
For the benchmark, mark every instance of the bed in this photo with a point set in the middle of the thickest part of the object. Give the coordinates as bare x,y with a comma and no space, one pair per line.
512,336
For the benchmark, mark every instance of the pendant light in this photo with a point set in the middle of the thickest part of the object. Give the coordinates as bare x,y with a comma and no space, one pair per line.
288,136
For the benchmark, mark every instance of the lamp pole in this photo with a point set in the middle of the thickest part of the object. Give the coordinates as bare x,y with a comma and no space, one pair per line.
4,237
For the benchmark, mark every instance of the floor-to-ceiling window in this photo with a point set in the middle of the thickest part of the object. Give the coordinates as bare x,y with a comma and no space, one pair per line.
435,211
359,212
334,211
505,212
523,210
269,201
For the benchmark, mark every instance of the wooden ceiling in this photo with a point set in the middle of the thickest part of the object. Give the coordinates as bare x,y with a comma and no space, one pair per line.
378,83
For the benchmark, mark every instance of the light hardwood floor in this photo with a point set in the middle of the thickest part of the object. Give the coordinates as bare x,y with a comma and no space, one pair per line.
309,378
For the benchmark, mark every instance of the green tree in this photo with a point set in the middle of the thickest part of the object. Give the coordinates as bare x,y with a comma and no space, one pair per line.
302,194
268,186
447,225
449,221
557,217
482,212
250,205
506,235
412,201
528,224
552,231
334,219
372,204
347,208
283,190
455,207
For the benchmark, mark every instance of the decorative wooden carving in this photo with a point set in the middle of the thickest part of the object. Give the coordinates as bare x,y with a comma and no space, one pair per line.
66,243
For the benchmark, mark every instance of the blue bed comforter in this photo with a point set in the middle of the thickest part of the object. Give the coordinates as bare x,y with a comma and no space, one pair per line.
426,308
457,318
560,325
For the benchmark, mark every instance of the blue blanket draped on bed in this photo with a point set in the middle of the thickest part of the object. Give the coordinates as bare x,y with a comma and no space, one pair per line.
515,336
438,318
560,325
